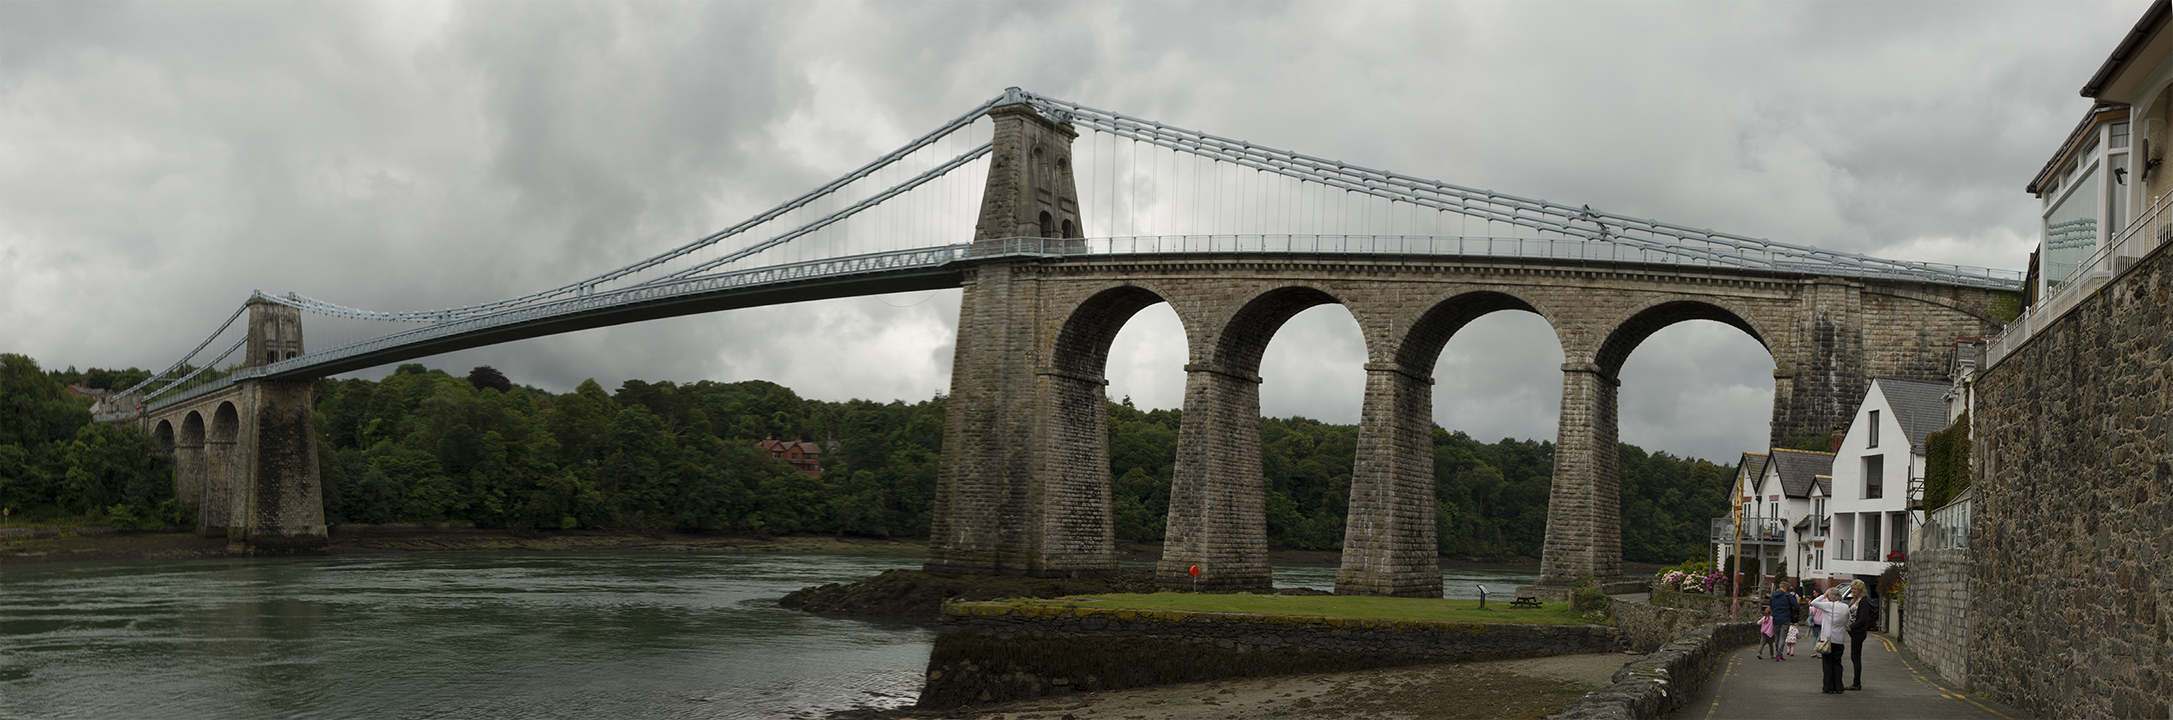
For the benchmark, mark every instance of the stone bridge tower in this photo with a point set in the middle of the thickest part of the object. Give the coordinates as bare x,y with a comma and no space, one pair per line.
1030,191
279,498
247,454
1024,486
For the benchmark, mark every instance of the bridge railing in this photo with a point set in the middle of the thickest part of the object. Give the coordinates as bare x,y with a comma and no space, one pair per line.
599,301
596,300
1537,248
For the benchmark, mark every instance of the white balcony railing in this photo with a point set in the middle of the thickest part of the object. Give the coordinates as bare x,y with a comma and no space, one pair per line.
2150,229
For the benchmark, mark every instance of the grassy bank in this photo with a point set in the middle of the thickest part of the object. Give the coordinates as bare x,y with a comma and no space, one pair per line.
1333,606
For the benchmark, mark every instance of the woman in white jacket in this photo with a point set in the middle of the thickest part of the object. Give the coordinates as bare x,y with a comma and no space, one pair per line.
1836,631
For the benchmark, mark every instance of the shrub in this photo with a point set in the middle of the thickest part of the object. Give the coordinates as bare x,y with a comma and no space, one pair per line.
1588,598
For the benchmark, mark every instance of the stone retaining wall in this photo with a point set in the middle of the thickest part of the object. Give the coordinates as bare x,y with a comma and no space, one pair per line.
1644,627
2069,510
1662,681
1712,605
993,652
1939,615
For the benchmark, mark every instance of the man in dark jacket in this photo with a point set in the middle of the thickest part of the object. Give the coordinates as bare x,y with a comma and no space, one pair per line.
1783,607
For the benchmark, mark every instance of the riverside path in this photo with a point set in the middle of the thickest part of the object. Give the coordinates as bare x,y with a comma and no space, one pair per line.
1896,685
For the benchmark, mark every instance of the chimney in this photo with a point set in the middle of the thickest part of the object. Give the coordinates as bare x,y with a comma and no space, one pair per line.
1840,432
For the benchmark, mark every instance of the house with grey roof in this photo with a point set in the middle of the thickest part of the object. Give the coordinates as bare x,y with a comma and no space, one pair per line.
1773,495
1877,480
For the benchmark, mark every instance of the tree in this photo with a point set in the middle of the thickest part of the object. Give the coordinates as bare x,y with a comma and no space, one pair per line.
487,377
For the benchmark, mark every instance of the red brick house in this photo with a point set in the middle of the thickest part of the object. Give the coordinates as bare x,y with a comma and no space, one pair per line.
802,455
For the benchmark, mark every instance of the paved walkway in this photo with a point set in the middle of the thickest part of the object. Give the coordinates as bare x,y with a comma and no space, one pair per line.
1896,685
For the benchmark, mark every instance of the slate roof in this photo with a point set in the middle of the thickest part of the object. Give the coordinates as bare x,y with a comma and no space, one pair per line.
1753,465
1920,406
1799,470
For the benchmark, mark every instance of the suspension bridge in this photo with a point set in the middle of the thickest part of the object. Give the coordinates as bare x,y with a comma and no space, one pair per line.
1060,221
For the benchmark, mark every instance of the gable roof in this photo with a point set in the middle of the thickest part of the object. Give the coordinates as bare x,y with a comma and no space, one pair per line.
1799,470
2135,44
1920,406
1753,466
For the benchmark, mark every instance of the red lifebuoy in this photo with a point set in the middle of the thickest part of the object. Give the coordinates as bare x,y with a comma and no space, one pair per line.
1195,572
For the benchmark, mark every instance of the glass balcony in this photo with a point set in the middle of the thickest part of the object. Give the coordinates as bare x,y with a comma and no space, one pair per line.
1755,529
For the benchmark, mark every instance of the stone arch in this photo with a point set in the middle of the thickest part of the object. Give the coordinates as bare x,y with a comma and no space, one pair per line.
1632,331
1082,345
1076,526
1243,339
163,434
1037,171
1047,225
1389,544
1584,506
225,424
1420,346
1217,515
192,430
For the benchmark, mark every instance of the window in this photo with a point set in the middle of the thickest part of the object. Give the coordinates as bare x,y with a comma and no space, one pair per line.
1871,541
2071,231
2119,135
1872,439
1874,476
1818,559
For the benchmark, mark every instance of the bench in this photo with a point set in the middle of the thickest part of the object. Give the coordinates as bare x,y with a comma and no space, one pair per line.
1525,602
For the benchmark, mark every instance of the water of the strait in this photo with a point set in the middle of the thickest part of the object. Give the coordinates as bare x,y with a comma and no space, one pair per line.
467,635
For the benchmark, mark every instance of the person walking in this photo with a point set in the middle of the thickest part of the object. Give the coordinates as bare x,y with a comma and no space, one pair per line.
1818,620
1796,598
1836,636
1782,607
1863,614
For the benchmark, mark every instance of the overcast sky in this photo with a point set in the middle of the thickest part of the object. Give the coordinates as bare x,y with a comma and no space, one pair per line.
159,161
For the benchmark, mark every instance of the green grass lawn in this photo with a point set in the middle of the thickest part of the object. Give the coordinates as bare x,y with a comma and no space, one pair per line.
1336,606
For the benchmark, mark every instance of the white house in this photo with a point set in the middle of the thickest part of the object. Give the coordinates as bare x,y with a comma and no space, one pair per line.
1877,479
1774,491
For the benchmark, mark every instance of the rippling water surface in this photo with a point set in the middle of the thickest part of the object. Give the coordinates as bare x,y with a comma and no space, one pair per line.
467,635
485,635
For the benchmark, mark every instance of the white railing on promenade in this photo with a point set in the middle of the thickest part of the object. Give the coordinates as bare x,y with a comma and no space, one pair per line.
2149,230
1948,526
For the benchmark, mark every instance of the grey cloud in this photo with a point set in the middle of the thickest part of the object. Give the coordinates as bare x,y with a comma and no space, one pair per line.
158,161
